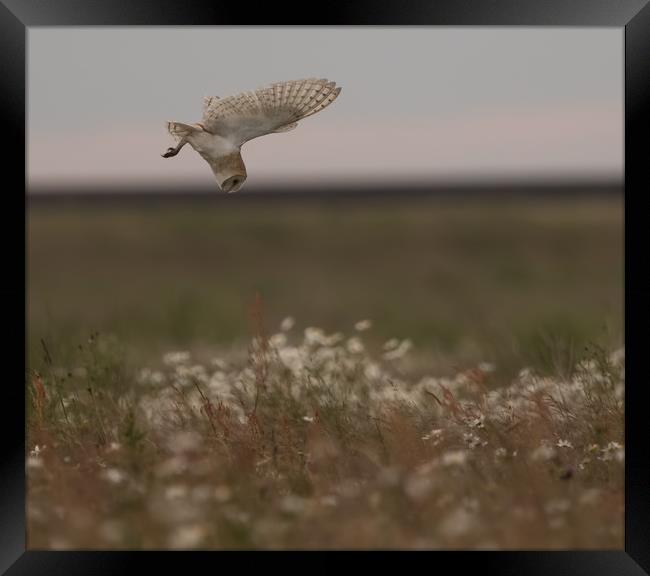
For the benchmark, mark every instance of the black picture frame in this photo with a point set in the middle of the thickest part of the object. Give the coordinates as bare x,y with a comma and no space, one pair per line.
16,16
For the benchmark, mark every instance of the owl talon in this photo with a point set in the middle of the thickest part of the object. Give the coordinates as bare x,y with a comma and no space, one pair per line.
170,152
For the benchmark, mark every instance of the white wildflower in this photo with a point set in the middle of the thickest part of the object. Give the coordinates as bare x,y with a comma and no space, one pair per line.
613,451
473,440
355,346
278,340
156,377
34,462
461,379
143,376
363,325
174,358
486,367
454,458
372,371
113,475
619,391
400,351
287,324
397,394
435,435
525,375
500,453
617,357
37,450
219,384
198,372
564,444
308,418
333,339
588,365
292,504
392,343
314,336
478,422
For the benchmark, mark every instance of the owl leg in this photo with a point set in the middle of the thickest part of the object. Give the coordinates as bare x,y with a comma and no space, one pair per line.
173,151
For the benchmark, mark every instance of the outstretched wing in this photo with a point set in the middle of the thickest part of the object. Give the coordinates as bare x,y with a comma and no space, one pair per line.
275,108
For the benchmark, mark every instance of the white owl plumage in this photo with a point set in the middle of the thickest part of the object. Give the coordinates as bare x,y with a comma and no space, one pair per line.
230,122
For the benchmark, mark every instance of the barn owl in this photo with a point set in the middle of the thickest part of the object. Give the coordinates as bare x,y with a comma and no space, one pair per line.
230,122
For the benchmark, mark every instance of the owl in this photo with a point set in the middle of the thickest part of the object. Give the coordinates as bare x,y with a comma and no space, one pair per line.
228,123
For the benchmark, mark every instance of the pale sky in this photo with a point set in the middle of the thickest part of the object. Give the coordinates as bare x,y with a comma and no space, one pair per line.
437,103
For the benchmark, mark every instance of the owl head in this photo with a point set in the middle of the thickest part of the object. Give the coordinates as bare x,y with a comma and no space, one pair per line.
229,171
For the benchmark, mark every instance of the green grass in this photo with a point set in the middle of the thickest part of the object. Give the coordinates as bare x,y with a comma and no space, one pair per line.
466,279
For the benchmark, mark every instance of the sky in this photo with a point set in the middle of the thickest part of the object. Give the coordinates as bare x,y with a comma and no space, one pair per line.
417,103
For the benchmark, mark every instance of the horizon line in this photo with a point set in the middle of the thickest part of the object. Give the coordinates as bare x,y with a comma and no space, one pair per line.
355,185
388,191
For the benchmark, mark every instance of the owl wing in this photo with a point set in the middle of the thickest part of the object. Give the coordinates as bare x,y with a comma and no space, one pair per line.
274,108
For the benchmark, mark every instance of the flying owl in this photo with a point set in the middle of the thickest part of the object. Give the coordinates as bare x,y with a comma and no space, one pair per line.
230,122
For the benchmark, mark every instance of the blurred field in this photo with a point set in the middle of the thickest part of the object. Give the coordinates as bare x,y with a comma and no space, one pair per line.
482,408
469,279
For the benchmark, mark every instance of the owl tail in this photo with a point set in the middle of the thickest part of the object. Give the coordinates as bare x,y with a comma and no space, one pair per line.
180,130
229,170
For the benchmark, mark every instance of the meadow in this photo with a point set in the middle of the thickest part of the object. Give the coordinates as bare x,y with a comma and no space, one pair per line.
416,373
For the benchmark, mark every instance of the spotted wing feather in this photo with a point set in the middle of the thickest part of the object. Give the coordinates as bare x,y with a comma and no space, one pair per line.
274,108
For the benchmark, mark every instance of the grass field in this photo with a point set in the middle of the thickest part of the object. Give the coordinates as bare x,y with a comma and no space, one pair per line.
466,279
493,419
